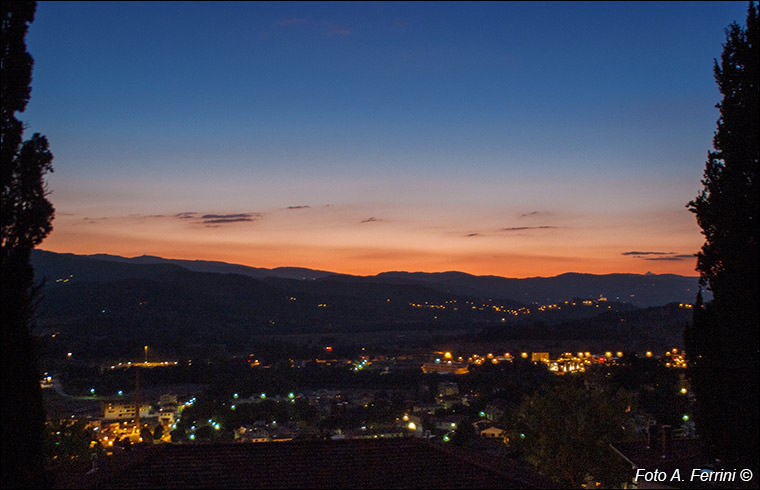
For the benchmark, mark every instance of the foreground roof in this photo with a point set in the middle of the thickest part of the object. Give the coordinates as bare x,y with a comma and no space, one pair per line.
380,463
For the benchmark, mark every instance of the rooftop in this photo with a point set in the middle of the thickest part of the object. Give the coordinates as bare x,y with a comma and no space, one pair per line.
381,463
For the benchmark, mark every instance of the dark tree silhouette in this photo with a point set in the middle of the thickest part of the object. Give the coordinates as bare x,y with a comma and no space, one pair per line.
26,217
565,431
722,340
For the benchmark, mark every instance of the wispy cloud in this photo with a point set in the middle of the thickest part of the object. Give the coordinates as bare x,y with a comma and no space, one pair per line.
371,220
298,207
94,220
143,216
672,257
472,234
532,213
229,218
658,255
188,216
134,217
523,228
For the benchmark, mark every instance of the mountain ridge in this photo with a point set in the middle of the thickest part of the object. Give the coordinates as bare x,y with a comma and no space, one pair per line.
118,305
641,290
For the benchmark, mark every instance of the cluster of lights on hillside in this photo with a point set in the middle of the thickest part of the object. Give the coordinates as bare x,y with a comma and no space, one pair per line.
454,305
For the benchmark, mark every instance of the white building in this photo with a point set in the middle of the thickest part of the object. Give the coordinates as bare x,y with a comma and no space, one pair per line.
124,410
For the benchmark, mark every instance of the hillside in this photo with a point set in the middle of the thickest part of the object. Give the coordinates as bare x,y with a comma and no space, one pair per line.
116,305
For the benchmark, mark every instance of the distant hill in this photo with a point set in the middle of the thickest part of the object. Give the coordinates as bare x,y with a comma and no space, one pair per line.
221,267
641,290
637,289
112,304
659,327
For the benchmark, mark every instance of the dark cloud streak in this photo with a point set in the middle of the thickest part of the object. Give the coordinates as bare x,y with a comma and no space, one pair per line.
524,228
659,256
229,218
672,258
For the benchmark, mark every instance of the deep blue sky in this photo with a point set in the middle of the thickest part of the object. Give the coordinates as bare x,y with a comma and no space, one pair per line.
507,138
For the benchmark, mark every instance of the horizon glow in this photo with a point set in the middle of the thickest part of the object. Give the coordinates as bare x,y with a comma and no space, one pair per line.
511,139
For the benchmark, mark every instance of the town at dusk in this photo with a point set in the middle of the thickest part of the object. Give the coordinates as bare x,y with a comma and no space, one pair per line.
380,244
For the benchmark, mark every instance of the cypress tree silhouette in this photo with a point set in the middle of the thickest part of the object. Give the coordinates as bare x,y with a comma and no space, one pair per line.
26,217
722,340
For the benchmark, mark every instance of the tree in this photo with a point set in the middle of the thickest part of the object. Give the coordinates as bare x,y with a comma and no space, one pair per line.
68,440
722,339
178,435
146,436
566,431
158,432
25,219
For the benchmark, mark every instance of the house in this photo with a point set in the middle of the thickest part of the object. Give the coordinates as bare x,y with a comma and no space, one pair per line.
445,368
493,433
123,410
250,433
447,388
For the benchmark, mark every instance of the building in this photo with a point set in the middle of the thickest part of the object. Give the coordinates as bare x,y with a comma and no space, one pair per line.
447,388
540,357
493,433
123,410
445,368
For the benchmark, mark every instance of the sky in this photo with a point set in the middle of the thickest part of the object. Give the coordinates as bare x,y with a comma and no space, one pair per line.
511,139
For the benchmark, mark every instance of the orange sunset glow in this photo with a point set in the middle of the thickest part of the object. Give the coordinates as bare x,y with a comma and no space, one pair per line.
381,145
